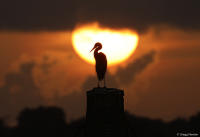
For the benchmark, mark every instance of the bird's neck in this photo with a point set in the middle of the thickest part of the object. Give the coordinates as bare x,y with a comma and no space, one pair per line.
96,51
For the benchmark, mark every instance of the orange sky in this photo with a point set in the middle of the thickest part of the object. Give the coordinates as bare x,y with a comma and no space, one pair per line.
166,89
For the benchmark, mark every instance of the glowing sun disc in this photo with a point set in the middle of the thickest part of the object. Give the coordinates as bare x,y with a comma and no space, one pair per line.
118,45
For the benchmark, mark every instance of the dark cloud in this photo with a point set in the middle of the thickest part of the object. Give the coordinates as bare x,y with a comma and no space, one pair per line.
46,64
19,90
127,75
61,14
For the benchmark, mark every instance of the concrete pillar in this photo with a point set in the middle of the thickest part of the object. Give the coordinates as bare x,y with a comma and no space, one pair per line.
105,113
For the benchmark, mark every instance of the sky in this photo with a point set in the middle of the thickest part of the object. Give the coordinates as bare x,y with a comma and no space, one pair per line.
38,65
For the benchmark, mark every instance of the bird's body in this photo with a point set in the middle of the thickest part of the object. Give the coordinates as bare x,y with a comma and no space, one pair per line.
101,63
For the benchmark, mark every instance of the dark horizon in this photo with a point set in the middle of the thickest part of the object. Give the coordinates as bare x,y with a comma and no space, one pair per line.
52,121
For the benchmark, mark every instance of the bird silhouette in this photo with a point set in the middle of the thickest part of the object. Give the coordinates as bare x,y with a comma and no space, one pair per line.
101,63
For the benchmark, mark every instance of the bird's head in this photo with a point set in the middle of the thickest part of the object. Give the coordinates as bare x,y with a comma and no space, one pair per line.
97,45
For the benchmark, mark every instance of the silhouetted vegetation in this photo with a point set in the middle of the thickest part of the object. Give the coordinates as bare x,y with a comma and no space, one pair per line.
51,121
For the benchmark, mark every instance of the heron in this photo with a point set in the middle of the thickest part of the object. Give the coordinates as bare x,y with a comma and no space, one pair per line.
101,63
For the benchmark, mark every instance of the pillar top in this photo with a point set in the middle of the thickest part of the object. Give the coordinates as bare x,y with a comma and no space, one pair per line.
100,90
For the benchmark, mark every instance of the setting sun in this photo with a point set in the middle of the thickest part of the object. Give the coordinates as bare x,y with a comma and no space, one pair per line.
118,45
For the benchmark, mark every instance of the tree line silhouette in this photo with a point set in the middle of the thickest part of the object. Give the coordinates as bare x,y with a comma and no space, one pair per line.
51,121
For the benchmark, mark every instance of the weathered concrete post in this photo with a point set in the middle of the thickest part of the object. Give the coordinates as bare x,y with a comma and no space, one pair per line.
105,113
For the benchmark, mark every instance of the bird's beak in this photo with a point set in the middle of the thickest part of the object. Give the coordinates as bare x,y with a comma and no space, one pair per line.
92,49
